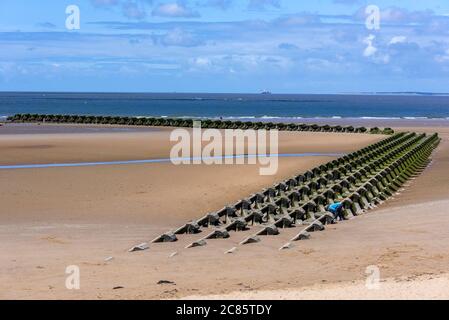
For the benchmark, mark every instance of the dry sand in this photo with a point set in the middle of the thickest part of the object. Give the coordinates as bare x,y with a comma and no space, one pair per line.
435,287
52,218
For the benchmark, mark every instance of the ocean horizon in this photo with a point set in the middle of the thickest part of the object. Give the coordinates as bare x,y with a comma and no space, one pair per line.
231,106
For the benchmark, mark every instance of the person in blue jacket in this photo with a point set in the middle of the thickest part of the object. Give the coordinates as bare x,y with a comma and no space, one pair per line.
336,209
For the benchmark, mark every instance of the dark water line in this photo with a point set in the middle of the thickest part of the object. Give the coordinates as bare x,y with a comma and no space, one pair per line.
163,160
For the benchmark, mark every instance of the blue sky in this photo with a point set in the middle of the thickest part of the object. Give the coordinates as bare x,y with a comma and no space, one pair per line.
285,46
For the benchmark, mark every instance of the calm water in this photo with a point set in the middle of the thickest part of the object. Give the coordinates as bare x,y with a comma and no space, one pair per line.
227,105
149,161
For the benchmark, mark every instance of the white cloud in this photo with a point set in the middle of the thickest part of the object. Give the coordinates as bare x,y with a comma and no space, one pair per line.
398,39
442,58
202,62
174,10
177,37
369,51
241,63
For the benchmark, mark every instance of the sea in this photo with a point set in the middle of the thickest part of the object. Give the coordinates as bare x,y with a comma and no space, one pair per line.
230,106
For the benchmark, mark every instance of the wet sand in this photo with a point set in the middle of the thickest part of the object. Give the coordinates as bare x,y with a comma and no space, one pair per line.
52,218
30,128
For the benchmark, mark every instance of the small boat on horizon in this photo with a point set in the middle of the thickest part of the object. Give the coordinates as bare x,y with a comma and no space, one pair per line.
265,92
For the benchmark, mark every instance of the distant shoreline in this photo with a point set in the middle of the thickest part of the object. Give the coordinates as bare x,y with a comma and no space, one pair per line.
363,93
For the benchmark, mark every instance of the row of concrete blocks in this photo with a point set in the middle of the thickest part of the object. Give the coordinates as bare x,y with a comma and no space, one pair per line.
181,122
365,196
256,201
244,205
284,207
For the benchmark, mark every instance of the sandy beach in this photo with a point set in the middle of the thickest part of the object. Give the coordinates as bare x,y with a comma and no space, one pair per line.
179,150
90,216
